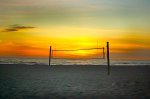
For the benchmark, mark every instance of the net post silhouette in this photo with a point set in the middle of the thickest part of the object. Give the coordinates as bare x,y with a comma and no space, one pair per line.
103,53
50,55
108,59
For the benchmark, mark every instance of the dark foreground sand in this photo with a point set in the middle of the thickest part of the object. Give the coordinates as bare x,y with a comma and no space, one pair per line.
74,82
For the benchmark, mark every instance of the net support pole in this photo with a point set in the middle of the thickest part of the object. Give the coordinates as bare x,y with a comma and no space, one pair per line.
50,54
103,53
108,59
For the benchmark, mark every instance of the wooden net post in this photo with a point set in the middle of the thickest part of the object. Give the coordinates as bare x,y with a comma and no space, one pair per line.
50,54
103,53
108,59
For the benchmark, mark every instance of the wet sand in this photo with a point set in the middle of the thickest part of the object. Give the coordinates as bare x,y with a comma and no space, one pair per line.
20,81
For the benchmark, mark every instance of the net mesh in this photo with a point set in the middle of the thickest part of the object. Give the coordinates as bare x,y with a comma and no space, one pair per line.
87,53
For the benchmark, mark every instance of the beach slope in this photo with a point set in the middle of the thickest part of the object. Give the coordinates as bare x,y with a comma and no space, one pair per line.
20,81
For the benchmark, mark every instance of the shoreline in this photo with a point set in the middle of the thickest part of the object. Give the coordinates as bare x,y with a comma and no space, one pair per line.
116,65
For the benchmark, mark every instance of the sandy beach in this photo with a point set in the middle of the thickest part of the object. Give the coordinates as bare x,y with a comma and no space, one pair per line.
20,81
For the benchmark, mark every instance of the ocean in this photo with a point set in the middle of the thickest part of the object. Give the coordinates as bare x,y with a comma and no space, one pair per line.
45,61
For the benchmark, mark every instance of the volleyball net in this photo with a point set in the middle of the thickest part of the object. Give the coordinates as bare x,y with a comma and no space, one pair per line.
85,53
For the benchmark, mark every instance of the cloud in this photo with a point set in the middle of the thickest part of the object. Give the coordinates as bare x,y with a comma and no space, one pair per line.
16,27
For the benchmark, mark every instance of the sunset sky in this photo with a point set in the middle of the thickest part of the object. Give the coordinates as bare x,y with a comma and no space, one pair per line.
29,27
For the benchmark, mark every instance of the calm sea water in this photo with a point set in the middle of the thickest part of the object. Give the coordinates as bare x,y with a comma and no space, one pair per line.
45,61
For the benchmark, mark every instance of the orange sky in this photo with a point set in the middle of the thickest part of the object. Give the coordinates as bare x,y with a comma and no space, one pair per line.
32,43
